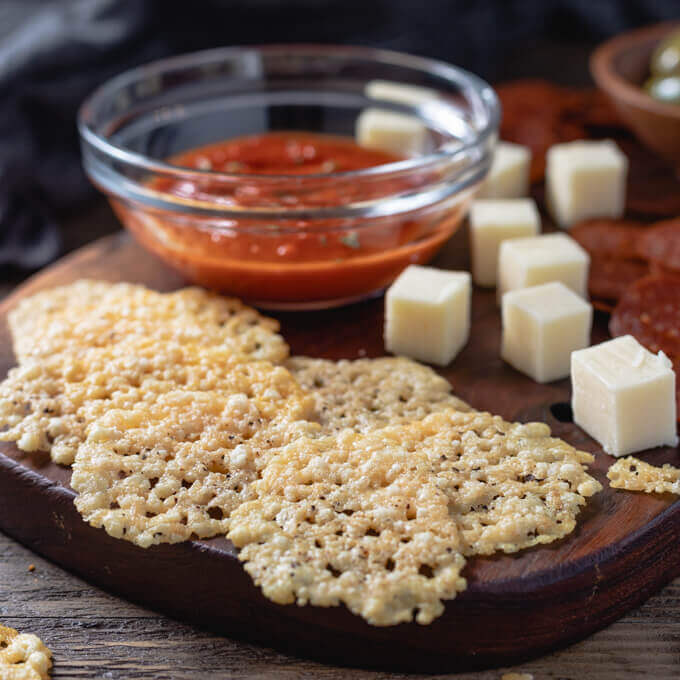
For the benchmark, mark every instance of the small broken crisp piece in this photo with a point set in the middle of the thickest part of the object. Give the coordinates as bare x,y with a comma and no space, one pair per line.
381,521
23,656
48,404
351,519
633,474
367,394
88,314
174,468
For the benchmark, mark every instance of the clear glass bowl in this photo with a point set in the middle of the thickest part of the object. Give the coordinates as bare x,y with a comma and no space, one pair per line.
276,240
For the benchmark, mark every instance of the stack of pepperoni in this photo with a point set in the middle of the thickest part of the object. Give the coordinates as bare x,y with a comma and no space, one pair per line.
538,114
635,261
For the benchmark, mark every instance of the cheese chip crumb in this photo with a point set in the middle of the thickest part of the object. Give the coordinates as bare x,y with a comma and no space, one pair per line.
96,313
633,474
382,521
23,656
366,394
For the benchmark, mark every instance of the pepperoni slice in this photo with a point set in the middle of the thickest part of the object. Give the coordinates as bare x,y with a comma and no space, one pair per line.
614,264
611,238
661,244
650,311
652,188
609,277
597,110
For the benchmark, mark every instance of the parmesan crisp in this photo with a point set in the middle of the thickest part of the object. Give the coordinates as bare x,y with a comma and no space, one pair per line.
366,394
49,404
633,474
510,485
174,468
93,346
381,521
89,314
352,519
23,656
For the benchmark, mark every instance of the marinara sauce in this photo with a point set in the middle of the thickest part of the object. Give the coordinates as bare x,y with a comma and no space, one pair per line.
315,260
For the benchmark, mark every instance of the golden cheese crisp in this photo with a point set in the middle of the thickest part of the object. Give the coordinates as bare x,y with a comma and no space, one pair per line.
366,394
352,519
174,468
95,313
633,474
49,403
510,485
23,656
381,521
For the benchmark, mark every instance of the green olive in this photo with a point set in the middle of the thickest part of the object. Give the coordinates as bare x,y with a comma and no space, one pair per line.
666,57
664,88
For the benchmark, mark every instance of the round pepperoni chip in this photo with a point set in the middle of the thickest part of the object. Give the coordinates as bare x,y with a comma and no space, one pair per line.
650,311
610,277
661,244
609,237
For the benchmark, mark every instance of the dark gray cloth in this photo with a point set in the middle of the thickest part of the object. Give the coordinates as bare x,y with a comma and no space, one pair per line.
54,52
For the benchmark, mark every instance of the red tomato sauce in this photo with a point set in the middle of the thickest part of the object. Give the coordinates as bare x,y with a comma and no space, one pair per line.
293,260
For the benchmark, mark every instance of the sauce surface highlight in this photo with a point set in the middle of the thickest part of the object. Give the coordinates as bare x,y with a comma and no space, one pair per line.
284,153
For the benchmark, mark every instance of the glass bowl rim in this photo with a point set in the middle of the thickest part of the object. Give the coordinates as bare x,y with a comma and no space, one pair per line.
454,74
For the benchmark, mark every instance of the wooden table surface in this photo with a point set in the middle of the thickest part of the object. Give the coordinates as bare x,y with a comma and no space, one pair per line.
95,635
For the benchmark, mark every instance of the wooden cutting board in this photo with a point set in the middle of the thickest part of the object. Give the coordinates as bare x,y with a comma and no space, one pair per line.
624,549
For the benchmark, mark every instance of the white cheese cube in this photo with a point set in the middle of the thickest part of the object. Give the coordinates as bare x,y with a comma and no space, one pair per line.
509,172
411,95
493,221
524,262
624,396
392,132
585,179
427,314
542,326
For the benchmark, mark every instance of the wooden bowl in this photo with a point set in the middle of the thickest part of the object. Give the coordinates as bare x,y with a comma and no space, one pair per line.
619,67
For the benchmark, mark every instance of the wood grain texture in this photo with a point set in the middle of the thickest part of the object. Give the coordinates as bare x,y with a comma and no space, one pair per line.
516,606
97,636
